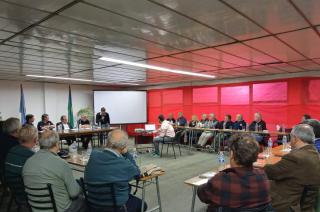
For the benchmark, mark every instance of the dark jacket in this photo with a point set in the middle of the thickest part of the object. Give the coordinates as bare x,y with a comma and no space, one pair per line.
291,175
182,121
109,167
240,125
172,120
86,122
42,124
254,126
104,121
193,123
6,143
228,125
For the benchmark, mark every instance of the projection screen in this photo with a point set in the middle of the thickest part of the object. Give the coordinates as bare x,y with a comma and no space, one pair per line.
124,107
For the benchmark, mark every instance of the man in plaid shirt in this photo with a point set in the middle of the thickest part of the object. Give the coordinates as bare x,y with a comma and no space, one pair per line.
240,186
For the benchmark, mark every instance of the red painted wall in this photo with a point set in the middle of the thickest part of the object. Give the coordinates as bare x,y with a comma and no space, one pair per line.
280,101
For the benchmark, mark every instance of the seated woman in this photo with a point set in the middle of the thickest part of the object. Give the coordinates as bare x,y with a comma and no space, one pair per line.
221,137
241,186
206,135
191,133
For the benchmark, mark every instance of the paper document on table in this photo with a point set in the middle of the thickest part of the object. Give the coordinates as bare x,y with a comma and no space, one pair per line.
201,182
207,175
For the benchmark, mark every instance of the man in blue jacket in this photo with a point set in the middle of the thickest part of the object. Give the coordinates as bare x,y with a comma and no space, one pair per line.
115,165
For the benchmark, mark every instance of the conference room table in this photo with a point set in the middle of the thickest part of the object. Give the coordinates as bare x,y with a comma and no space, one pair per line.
79,163
193,133
77,133
199,180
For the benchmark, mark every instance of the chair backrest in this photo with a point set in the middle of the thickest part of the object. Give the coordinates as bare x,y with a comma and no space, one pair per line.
178,135
100,196
14,182
41,199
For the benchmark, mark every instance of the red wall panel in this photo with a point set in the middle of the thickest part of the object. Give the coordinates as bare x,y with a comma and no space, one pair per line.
236,95
205,95
314,90
172,96
154,99
270,92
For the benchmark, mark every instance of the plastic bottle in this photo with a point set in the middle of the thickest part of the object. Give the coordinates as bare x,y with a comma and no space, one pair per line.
135,156
89,149
284,143
221,161
73,149
270,144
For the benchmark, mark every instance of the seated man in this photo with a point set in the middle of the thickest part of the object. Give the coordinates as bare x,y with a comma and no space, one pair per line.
65,125
240,186
115,165
305,117
226,123
259,125
181,120
206,135
45,123
239,124
17,156
315,124
29,120
204,121
166,133
297,173
84,123
171,118
46,166
8,139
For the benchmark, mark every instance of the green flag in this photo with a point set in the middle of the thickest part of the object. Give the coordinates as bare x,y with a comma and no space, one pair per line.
70,110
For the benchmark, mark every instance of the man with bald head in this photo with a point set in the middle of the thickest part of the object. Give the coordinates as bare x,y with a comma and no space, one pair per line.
115,165
295,179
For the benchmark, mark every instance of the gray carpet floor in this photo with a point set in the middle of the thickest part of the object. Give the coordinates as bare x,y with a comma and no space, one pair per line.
175,195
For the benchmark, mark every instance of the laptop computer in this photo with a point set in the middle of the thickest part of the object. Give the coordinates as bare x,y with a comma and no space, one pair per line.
150,127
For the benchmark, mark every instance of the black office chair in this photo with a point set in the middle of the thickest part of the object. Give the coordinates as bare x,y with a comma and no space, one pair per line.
16,187
100,197
172,141
41,199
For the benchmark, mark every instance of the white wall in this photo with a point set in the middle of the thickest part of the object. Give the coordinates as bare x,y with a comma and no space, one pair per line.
42,98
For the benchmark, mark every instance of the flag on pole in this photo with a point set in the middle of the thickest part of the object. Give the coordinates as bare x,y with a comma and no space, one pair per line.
22,108
70,110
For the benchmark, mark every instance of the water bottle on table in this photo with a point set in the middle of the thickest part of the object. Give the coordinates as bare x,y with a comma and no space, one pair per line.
136,157
269,148
73,149
221,161
284,143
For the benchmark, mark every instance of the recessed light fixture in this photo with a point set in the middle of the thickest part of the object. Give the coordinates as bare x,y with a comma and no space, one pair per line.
80,80
158,68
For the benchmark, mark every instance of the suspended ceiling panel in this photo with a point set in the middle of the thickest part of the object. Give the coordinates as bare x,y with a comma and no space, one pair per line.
223,38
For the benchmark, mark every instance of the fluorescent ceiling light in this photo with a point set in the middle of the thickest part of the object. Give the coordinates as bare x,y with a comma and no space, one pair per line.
80,80
158,68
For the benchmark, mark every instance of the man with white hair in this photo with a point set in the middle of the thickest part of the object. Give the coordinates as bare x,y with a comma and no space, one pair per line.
47,167
115,165
9,138
17,156
295,179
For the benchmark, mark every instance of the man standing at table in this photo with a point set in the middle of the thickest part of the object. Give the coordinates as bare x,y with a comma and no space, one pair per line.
103,120
295,179
166,133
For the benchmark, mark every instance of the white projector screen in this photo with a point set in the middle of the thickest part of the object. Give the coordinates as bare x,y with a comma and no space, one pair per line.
124,107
